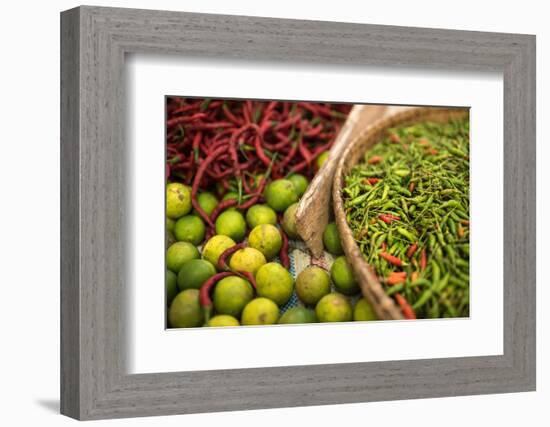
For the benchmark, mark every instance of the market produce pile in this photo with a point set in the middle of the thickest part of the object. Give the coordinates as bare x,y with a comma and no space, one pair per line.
236,171
407,204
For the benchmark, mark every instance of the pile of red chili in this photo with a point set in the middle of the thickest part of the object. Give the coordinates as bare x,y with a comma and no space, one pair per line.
237,141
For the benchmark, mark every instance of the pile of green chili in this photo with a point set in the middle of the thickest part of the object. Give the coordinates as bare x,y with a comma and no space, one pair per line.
407,204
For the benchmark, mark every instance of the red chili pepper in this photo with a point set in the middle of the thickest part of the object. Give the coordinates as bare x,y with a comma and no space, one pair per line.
196,128
373,181
247,275
423,260
408,312
222,259
388,218
196,182
391,259
260,151
394,137
374,160
412,249
396,277
185,119
283,253
223,205
204,294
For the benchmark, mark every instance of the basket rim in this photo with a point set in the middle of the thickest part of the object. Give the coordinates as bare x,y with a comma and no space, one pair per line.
372,289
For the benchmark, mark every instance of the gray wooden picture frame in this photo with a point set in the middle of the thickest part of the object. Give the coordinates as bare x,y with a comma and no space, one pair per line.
94,382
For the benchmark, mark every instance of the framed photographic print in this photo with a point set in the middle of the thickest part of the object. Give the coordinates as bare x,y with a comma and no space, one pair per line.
275,213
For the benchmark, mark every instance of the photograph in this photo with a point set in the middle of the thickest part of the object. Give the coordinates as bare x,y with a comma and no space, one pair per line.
244,203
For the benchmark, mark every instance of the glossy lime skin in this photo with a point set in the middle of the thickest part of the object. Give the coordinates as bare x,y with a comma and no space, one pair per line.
321,160
223,320
298,315
260,214
300,183
231,223
194,273
331,240
179,253
171,286
260,311
185,311
178,200
267,239
170,223
231,295
312,284
247,259
190,228
343,277
274,282
363,311
207,201
334,308
214,247
289,221
280,194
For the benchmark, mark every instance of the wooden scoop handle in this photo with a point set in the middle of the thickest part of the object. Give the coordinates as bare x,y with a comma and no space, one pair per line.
312,215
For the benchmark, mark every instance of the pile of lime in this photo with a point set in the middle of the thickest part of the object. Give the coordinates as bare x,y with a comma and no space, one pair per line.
193,258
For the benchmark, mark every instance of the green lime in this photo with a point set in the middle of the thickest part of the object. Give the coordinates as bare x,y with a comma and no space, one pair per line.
194,273
267,239
178,200
214,247
171,286
223,320
334,308
331,239
343,277
185,311
231,294
231,195
260,214
363,311
260,311
231,223
207,201
298,315
280,194
190,228
247,259
300,183
273,281
179,253
170,239
170,223
289,221
323,157
312,284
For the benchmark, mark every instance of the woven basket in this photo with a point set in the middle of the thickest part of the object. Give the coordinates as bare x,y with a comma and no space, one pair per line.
370,285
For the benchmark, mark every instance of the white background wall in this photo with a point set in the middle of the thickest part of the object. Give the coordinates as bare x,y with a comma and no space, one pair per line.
29,212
